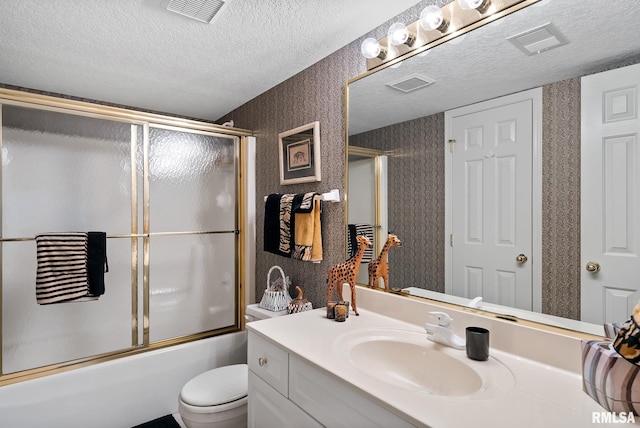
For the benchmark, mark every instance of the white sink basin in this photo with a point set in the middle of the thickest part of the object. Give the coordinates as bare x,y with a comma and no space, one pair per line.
406,359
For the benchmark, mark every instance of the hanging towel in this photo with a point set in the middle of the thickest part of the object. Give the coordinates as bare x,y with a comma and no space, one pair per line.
307,234
62,267
277,224
352,244
71,266
97,263
354,230
271,229
286,223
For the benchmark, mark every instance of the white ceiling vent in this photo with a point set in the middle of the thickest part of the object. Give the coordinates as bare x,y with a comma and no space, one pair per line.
411,82
538,39
201,10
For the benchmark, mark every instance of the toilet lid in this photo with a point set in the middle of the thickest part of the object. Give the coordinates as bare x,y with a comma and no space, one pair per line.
217,386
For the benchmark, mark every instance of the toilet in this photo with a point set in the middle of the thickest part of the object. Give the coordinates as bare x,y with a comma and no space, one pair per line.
218,398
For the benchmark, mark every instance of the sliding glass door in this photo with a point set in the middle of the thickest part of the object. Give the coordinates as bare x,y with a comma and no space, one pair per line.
167,199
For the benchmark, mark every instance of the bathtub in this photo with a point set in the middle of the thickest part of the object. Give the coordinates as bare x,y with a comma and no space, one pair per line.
119,393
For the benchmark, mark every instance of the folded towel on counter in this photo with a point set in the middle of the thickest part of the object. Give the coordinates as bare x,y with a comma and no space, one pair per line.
353,230
70,267
307,234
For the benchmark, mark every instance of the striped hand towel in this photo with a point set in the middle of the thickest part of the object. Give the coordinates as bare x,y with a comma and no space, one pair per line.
354,230
62,267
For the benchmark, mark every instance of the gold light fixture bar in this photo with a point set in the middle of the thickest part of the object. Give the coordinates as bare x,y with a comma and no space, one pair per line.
459,21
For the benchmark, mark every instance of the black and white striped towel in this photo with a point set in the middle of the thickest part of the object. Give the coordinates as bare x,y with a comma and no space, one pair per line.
62,267
354,230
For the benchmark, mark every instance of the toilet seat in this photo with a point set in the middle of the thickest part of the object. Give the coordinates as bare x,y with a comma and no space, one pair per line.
217,390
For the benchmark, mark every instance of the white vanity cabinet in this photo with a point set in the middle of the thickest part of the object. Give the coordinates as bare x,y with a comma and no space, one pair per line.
269,405
287,391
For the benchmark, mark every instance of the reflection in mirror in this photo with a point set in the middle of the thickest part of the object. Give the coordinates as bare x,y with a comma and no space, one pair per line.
411,128
367,203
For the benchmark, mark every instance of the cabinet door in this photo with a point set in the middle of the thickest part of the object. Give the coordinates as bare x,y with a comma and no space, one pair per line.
270,362
267,408
333,403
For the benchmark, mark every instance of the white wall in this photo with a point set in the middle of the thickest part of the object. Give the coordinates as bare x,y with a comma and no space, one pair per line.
120,393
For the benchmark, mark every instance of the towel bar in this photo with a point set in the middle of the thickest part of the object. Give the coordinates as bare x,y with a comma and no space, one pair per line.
140,235
331,196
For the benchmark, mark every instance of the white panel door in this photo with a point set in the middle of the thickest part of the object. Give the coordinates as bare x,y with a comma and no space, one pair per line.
610,195
491,201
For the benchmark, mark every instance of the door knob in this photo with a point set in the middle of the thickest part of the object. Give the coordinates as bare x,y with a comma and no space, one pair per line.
593,267
521,258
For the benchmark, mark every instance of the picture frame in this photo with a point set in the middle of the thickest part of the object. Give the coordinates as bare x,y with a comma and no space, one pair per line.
299,152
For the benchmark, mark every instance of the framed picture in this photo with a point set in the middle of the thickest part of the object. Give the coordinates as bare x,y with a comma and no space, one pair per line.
300,154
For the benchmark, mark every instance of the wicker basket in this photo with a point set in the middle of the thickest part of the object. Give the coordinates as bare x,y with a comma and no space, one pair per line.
276,297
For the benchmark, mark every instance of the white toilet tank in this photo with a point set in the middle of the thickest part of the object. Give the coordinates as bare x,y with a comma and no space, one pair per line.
255,312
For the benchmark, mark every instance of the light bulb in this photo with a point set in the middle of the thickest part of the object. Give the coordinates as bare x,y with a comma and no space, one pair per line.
370,48
481,5
432,18
399,35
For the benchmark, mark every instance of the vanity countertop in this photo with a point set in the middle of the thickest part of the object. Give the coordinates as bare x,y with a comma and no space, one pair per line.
543,395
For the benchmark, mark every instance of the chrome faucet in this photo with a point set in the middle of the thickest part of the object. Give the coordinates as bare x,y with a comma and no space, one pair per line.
441,333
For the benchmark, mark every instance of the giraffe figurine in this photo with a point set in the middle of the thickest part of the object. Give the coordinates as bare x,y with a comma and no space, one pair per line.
379,268
347,272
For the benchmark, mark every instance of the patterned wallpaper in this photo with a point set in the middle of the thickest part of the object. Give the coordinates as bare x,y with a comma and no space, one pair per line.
316,93
561,199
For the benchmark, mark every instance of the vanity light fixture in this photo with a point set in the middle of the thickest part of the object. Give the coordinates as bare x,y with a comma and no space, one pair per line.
432,18
371,48
480,5
399,34
435,26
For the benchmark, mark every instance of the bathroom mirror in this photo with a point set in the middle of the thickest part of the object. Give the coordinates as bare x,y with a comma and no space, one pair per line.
407,128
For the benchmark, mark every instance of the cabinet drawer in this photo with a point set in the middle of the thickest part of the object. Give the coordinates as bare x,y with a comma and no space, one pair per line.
334,403
269,362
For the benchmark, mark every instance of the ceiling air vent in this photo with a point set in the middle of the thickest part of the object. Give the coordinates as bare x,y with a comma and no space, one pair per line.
411,83
538,39
201,10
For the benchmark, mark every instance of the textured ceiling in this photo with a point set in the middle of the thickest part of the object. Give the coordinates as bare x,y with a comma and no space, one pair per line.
485,65
136,53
